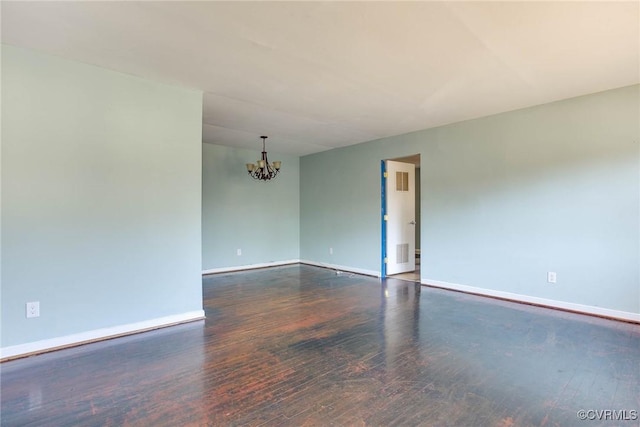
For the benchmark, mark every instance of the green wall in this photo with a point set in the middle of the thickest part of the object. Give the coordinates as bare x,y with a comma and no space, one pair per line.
101,198
504,199
260,218
108,218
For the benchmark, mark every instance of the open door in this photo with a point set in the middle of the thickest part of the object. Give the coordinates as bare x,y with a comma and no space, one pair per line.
400,217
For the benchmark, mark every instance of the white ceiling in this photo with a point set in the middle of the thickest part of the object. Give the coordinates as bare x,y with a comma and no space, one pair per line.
319,75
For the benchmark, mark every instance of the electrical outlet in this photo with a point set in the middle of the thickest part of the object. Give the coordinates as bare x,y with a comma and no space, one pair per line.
238,252
551,277
33,309
330,251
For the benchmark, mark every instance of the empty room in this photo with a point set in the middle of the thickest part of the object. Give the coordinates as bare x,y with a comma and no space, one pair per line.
320,213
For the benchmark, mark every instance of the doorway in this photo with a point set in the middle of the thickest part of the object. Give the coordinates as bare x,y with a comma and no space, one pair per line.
400,187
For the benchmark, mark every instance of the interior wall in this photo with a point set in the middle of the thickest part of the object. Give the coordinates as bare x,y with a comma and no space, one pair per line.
262,219
504,200
101,198
340,206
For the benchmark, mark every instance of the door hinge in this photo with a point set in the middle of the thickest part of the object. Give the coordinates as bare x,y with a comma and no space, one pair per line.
386,217
386,175
386,260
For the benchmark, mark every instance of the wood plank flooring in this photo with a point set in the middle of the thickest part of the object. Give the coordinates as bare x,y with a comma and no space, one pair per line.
302,346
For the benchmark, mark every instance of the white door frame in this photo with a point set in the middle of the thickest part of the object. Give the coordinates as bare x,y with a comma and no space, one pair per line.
393,216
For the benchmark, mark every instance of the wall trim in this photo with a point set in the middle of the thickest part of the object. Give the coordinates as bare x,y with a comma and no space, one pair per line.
249,266
562,305
43,346
290,262
337,267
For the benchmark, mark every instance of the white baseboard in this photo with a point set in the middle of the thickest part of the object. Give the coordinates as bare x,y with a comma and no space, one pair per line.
568,306
42,346
289,262
249,266
342,268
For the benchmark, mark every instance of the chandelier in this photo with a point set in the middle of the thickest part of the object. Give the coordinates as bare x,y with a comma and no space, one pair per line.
262,169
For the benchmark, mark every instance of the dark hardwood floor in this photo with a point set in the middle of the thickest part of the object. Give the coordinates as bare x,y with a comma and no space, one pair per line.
302,346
